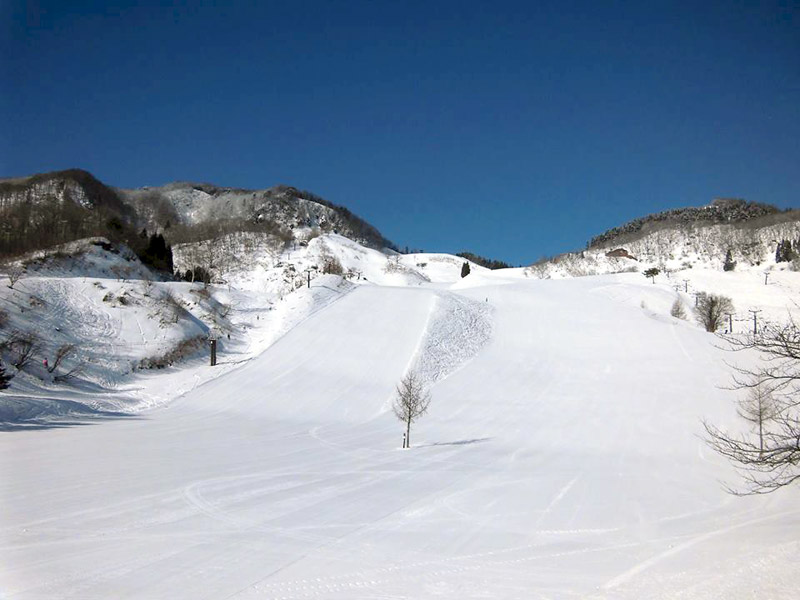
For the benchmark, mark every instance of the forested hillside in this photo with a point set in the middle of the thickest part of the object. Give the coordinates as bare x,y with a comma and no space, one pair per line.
48,209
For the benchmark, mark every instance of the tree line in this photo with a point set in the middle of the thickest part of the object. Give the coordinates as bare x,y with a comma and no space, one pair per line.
483,261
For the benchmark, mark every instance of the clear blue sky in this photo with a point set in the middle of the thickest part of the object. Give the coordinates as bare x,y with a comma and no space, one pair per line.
512,129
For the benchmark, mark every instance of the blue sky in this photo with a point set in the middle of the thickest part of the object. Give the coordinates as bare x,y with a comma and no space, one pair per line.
511,129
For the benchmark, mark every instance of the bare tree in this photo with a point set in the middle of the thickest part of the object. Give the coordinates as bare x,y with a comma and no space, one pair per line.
711,310
120,272
274,249
174,309
758,408
771,459
22,346
207,256
63,352
411,402
331,265
677,309
14,274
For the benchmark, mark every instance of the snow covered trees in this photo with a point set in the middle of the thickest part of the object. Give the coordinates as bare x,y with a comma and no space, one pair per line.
331,265
411,402
769,458
711,310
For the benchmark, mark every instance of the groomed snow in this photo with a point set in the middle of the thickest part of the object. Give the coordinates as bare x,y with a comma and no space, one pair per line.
560,458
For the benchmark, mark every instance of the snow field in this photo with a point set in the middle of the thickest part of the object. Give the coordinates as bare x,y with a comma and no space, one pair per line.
559,459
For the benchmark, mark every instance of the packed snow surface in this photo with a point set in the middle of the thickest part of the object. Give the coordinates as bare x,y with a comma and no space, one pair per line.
561,457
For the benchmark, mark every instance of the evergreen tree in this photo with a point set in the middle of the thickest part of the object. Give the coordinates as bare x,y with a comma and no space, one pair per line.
784,252
465,269
158,254
4,379
651,273
729,264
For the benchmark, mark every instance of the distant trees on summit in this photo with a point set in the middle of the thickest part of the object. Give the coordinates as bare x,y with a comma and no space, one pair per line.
484,262
722,210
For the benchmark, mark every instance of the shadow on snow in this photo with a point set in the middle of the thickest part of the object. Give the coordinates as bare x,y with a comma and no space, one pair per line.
19,413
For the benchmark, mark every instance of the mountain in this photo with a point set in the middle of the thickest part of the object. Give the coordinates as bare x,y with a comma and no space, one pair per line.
694,237
193,204
53,208
720,211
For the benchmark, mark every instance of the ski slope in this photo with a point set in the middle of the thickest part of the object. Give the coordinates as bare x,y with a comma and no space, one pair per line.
560,459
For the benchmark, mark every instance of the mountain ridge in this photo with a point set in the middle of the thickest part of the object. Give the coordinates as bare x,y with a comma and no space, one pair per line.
719,211
57,205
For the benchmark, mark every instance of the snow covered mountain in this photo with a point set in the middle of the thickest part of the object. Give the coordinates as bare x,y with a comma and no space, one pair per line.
561,457
58,207
687,238
195,204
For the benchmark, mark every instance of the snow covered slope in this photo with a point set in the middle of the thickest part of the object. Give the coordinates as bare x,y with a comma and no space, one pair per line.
136,343
560,459
680,246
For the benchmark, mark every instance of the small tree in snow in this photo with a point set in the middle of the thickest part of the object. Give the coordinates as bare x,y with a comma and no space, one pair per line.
63,352
771,460
784,251
729,264
411,402
651,273
331,265
677,309
23,346
465,269
758,408
14,274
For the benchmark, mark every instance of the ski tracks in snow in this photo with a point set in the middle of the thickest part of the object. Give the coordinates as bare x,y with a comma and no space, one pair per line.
692,541
457,329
